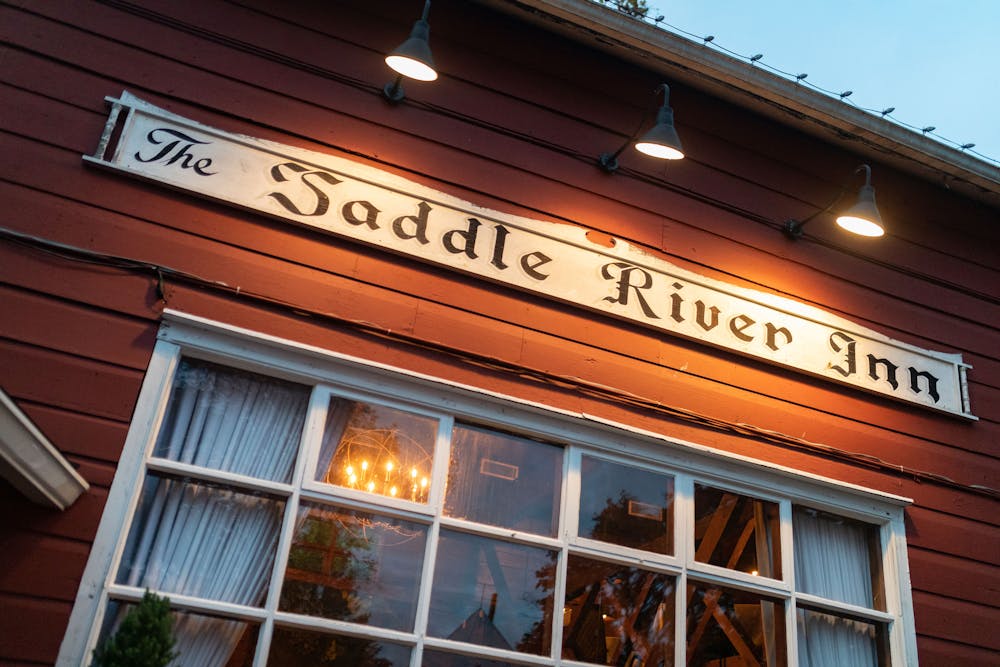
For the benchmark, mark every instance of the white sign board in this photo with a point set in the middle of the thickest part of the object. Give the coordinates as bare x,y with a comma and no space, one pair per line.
557,261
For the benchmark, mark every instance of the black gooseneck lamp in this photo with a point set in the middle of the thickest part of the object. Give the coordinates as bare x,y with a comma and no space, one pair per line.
862,218
660,141
411,59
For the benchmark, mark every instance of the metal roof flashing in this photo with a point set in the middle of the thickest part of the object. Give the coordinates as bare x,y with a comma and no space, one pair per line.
756,89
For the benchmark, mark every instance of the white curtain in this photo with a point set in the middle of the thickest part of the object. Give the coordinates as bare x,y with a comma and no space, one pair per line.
202,540
234,421
832,560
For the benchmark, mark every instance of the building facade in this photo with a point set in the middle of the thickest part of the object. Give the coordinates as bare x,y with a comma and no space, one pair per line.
360,381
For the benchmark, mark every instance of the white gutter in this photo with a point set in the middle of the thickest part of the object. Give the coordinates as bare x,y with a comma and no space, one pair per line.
32,464
746,85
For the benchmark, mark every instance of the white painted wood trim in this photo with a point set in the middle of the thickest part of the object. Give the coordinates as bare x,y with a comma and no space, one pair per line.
32,464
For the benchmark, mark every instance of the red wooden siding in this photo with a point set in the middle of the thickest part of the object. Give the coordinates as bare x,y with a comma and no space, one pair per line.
514,131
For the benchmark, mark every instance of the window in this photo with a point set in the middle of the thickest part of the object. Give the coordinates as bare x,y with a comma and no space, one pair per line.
304,512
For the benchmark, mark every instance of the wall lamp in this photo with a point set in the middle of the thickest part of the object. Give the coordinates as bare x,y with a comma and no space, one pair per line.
661,141
862,218
411,59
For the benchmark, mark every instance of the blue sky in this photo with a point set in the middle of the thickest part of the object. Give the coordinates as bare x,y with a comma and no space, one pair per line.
937,63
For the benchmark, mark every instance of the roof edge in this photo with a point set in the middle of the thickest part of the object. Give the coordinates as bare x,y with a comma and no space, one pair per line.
752,87
32,464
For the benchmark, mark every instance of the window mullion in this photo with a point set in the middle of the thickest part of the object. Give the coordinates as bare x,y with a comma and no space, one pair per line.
684,549
435,501
308,449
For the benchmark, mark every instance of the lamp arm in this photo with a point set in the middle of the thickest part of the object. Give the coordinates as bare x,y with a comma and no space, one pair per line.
609,161
793,227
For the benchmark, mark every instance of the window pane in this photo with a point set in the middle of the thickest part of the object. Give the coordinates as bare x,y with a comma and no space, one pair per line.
442,659
201,641
625,505
503,480
617,615
353,566
492,593
832,640
737,532
725,624
232,420
201,540
377,449
837,558
294,648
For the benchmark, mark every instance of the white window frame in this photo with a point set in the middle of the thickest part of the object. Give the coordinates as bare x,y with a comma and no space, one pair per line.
190,336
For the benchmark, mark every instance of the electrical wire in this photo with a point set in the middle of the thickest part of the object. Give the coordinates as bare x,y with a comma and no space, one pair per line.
578,385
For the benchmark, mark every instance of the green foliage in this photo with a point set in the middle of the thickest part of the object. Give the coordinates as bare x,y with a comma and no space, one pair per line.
637,8
144,639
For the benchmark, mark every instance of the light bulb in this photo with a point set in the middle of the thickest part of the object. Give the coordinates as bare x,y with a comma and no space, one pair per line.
371,486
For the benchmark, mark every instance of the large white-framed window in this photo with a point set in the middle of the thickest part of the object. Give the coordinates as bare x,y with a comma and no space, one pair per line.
300,507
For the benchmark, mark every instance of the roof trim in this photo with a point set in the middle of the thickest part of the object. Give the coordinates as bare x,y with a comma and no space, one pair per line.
32,464
757,89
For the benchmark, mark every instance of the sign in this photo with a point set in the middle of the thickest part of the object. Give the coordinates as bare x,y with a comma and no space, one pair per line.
553,260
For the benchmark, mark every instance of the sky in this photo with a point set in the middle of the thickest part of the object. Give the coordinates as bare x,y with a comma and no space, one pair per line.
937,63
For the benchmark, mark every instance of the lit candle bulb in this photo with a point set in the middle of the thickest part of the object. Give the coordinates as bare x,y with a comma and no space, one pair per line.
388,470
353,479
350,470
413,473
393,491
423,483
364,466
371,486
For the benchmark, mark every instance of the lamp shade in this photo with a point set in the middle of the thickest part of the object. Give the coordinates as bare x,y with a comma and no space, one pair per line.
661,141
863,217
413,57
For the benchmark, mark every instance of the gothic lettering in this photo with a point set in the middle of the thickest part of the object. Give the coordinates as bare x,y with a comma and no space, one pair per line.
469,235
890,370
348,211
417,223
178,149
739,324
932,383
531,261
306,176
625,284
838,342
772,332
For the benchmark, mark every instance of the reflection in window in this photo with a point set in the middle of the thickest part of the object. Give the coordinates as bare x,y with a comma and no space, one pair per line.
617,615
201,641
492,593
377,449
442,659
729,626
354,566
825,639
838,558
736,532
625,505
503,480
294,648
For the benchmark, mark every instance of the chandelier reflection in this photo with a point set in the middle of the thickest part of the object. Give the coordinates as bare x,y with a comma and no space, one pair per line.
382,461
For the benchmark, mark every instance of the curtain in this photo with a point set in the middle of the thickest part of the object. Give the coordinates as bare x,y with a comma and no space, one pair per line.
832,559
235,421
199,539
